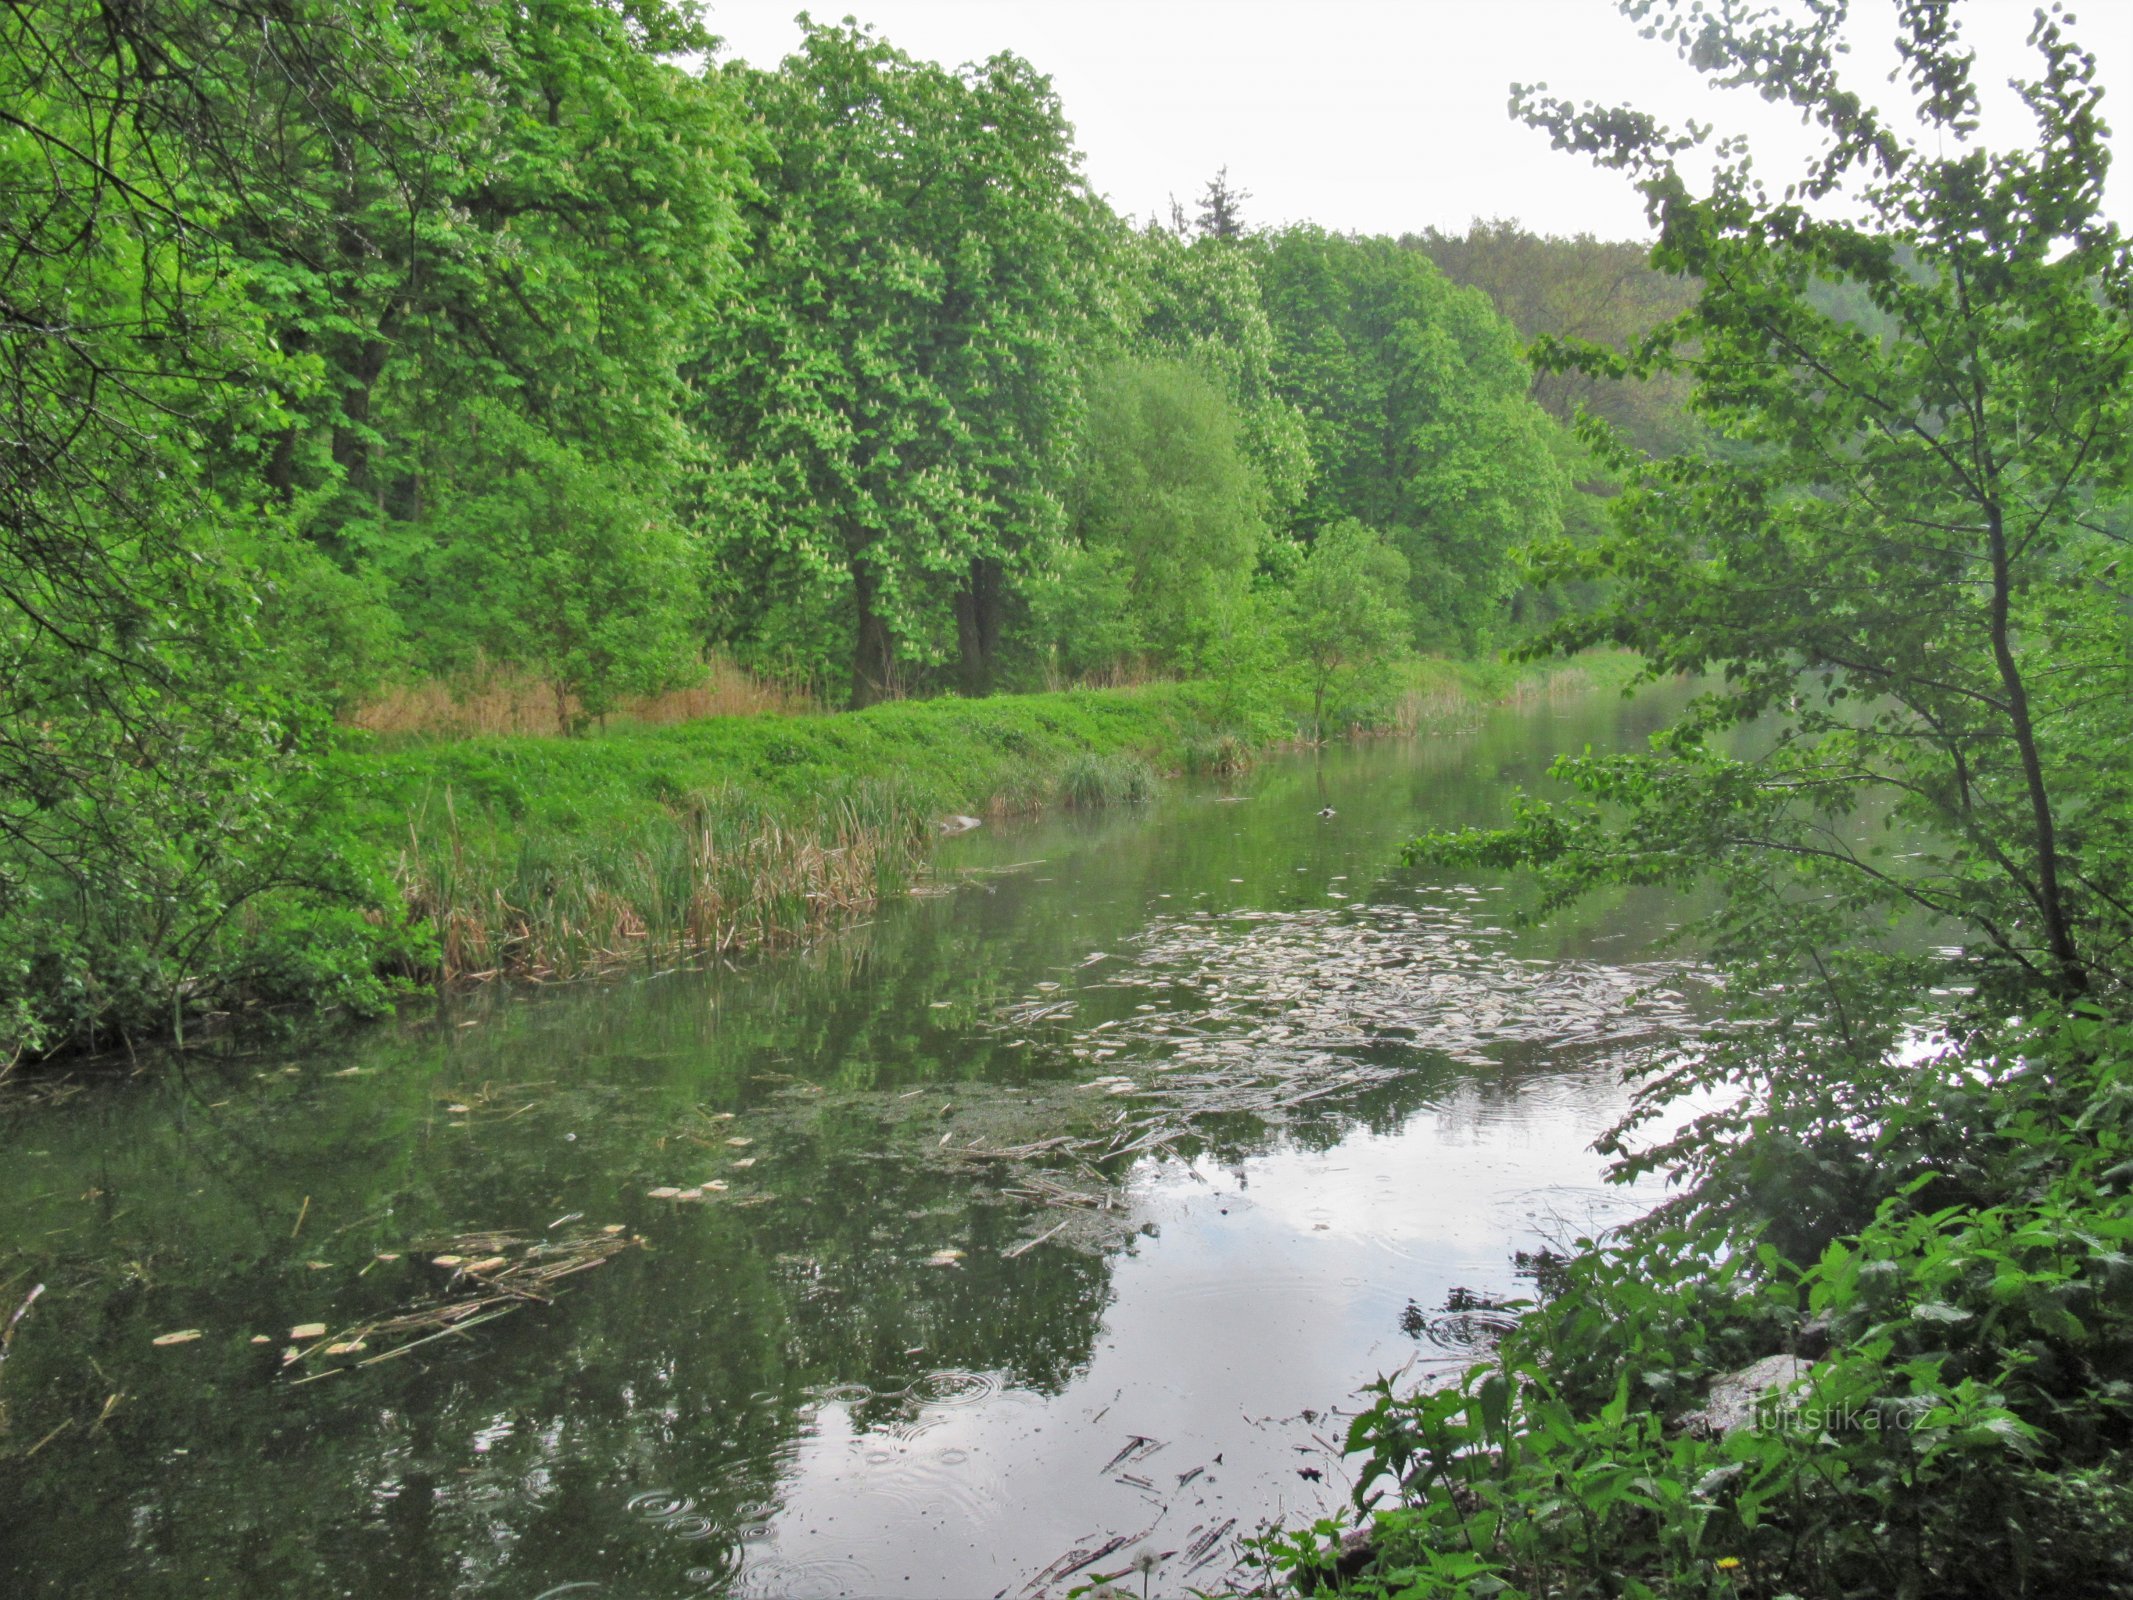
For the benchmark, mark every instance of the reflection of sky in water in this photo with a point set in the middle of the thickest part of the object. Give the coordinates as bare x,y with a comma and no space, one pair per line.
1270,1288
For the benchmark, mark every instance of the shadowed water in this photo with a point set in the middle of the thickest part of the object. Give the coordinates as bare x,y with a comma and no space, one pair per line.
1066,1203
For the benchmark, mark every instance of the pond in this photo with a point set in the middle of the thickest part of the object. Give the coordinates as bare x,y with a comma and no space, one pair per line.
1055,1215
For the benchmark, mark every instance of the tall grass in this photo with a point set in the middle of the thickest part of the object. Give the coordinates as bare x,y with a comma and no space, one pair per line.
720,873
508,702
1093,779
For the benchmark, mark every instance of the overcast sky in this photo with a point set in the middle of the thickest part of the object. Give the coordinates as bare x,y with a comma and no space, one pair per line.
1384,116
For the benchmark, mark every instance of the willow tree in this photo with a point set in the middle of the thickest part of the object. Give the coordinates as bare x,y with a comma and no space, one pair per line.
888,394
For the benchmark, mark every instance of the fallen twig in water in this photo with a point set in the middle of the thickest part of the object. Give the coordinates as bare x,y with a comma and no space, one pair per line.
495,1286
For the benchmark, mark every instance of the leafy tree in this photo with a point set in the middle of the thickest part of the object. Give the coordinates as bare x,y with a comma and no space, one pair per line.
889,393
1202,304
509,248
142,732
1168,513
565,566
1415,396
1899,553
1346,613
1595,290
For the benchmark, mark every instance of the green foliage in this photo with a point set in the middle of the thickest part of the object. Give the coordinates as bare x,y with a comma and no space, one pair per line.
1168,513
890,388
1346,620
1415,395
350,344
1963,1434
1598,291
1891,562
564,565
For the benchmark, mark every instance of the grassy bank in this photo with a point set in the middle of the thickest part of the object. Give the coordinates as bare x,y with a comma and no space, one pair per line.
407,860
548,857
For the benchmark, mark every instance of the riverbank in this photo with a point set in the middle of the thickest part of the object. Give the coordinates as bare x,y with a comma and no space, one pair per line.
540,857
408,862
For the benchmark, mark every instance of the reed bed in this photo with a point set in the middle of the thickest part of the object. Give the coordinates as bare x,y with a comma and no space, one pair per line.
718,875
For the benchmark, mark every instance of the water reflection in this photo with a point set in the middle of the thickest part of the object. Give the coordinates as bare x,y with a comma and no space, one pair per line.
870,1356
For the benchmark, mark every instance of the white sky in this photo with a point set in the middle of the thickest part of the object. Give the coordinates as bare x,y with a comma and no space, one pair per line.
1383,116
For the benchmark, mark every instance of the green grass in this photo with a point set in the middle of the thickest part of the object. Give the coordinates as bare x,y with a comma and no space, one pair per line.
540,856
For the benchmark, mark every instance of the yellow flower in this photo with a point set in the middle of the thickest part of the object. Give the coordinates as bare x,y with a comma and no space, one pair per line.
1728,1563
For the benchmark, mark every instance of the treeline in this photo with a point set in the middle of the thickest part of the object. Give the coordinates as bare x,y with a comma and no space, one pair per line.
351,345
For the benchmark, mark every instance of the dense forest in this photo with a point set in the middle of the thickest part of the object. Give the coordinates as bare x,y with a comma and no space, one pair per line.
373,347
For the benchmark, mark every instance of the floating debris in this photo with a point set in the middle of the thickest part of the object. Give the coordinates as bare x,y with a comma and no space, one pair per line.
500,1273
182,1336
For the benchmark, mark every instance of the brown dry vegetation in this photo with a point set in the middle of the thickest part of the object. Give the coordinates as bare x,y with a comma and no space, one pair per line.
504,701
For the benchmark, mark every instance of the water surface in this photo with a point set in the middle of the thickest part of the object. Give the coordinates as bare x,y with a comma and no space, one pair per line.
1068,1202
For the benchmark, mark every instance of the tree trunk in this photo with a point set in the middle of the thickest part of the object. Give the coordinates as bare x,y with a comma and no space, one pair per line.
2058,929
977,625
873,651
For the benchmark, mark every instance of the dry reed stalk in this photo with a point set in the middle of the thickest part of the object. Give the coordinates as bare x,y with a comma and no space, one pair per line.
501,702
495,1285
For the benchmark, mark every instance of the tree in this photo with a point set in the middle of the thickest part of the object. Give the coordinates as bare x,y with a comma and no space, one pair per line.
514,252
564,565
1346,613
144,733
1221,213
1414,393
1168,514
1600,291
889,394
1201,304
1899,556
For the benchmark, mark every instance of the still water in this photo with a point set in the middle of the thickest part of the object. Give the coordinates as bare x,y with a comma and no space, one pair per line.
1061,1209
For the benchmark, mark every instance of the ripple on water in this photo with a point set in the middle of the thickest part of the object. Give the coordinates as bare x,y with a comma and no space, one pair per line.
956,1386
676,1516
847,1394
782,1578
659,1505
1466,1327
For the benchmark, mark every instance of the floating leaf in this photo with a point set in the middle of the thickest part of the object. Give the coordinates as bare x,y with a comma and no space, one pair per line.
183,1336
448,1261
740,1144
347,1347
665,1192
308,1330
